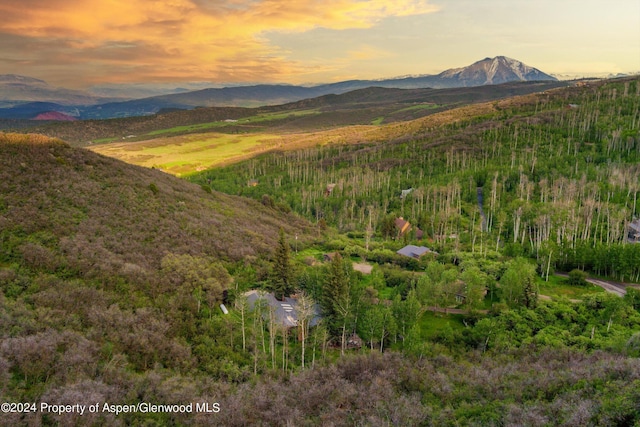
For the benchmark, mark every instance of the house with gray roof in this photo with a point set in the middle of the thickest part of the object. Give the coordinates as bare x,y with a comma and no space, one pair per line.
405,193
414,251
285,311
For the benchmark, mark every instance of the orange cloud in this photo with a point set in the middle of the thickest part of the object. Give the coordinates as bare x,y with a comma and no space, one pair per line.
179,39
364,53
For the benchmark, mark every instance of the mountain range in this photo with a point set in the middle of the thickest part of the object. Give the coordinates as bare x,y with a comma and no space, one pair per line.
16,89
26,98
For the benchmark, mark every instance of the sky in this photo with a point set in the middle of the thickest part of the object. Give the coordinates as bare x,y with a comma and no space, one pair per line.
79,44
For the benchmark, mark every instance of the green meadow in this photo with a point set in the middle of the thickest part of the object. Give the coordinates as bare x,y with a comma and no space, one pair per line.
186,154
558,287
428,106
435,324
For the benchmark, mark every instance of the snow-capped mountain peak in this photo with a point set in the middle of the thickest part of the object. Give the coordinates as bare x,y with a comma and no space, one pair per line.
494,71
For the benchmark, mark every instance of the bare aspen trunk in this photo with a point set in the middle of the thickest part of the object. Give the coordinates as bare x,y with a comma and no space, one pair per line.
272,337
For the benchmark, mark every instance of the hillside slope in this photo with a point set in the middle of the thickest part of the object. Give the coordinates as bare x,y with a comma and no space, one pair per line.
67,208
108,271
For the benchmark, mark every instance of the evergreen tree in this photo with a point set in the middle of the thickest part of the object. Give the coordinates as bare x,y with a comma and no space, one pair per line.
336,300
282,277
530,292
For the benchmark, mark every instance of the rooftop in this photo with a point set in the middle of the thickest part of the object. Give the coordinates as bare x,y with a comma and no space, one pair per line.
285,311
413,251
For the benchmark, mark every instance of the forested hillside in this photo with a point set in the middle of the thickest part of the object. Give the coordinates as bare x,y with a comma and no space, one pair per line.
554,175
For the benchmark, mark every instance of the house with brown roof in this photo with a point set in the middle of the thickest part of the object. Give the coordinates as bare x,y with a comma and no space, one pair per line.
329,189
402,226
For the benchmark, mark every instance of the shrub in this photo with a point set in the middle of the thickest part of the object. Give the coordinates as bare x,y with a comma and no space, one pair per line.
577,277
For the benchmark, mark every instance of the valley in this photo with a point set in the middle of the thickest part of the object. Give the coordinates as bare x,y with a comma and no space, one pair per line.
262,213
446,237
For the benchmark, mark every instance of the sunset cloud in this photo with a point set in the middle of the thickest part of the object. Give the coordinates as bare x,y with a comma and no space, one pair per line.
93,42
128,40
364,53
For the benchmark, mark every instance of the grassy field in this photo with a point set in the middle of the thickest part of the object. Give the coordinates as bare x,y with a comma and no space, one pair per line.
302,255
432,324
179,151
558,287
185,154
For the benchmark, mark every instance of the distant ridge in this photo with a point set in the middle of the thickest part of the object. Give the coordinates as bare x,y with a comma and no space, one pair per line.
21,89
489,71
15,79
55,115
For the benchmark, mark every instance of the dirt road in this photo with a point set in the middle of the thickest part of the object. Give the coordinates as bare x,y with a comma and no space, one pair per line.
613,287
